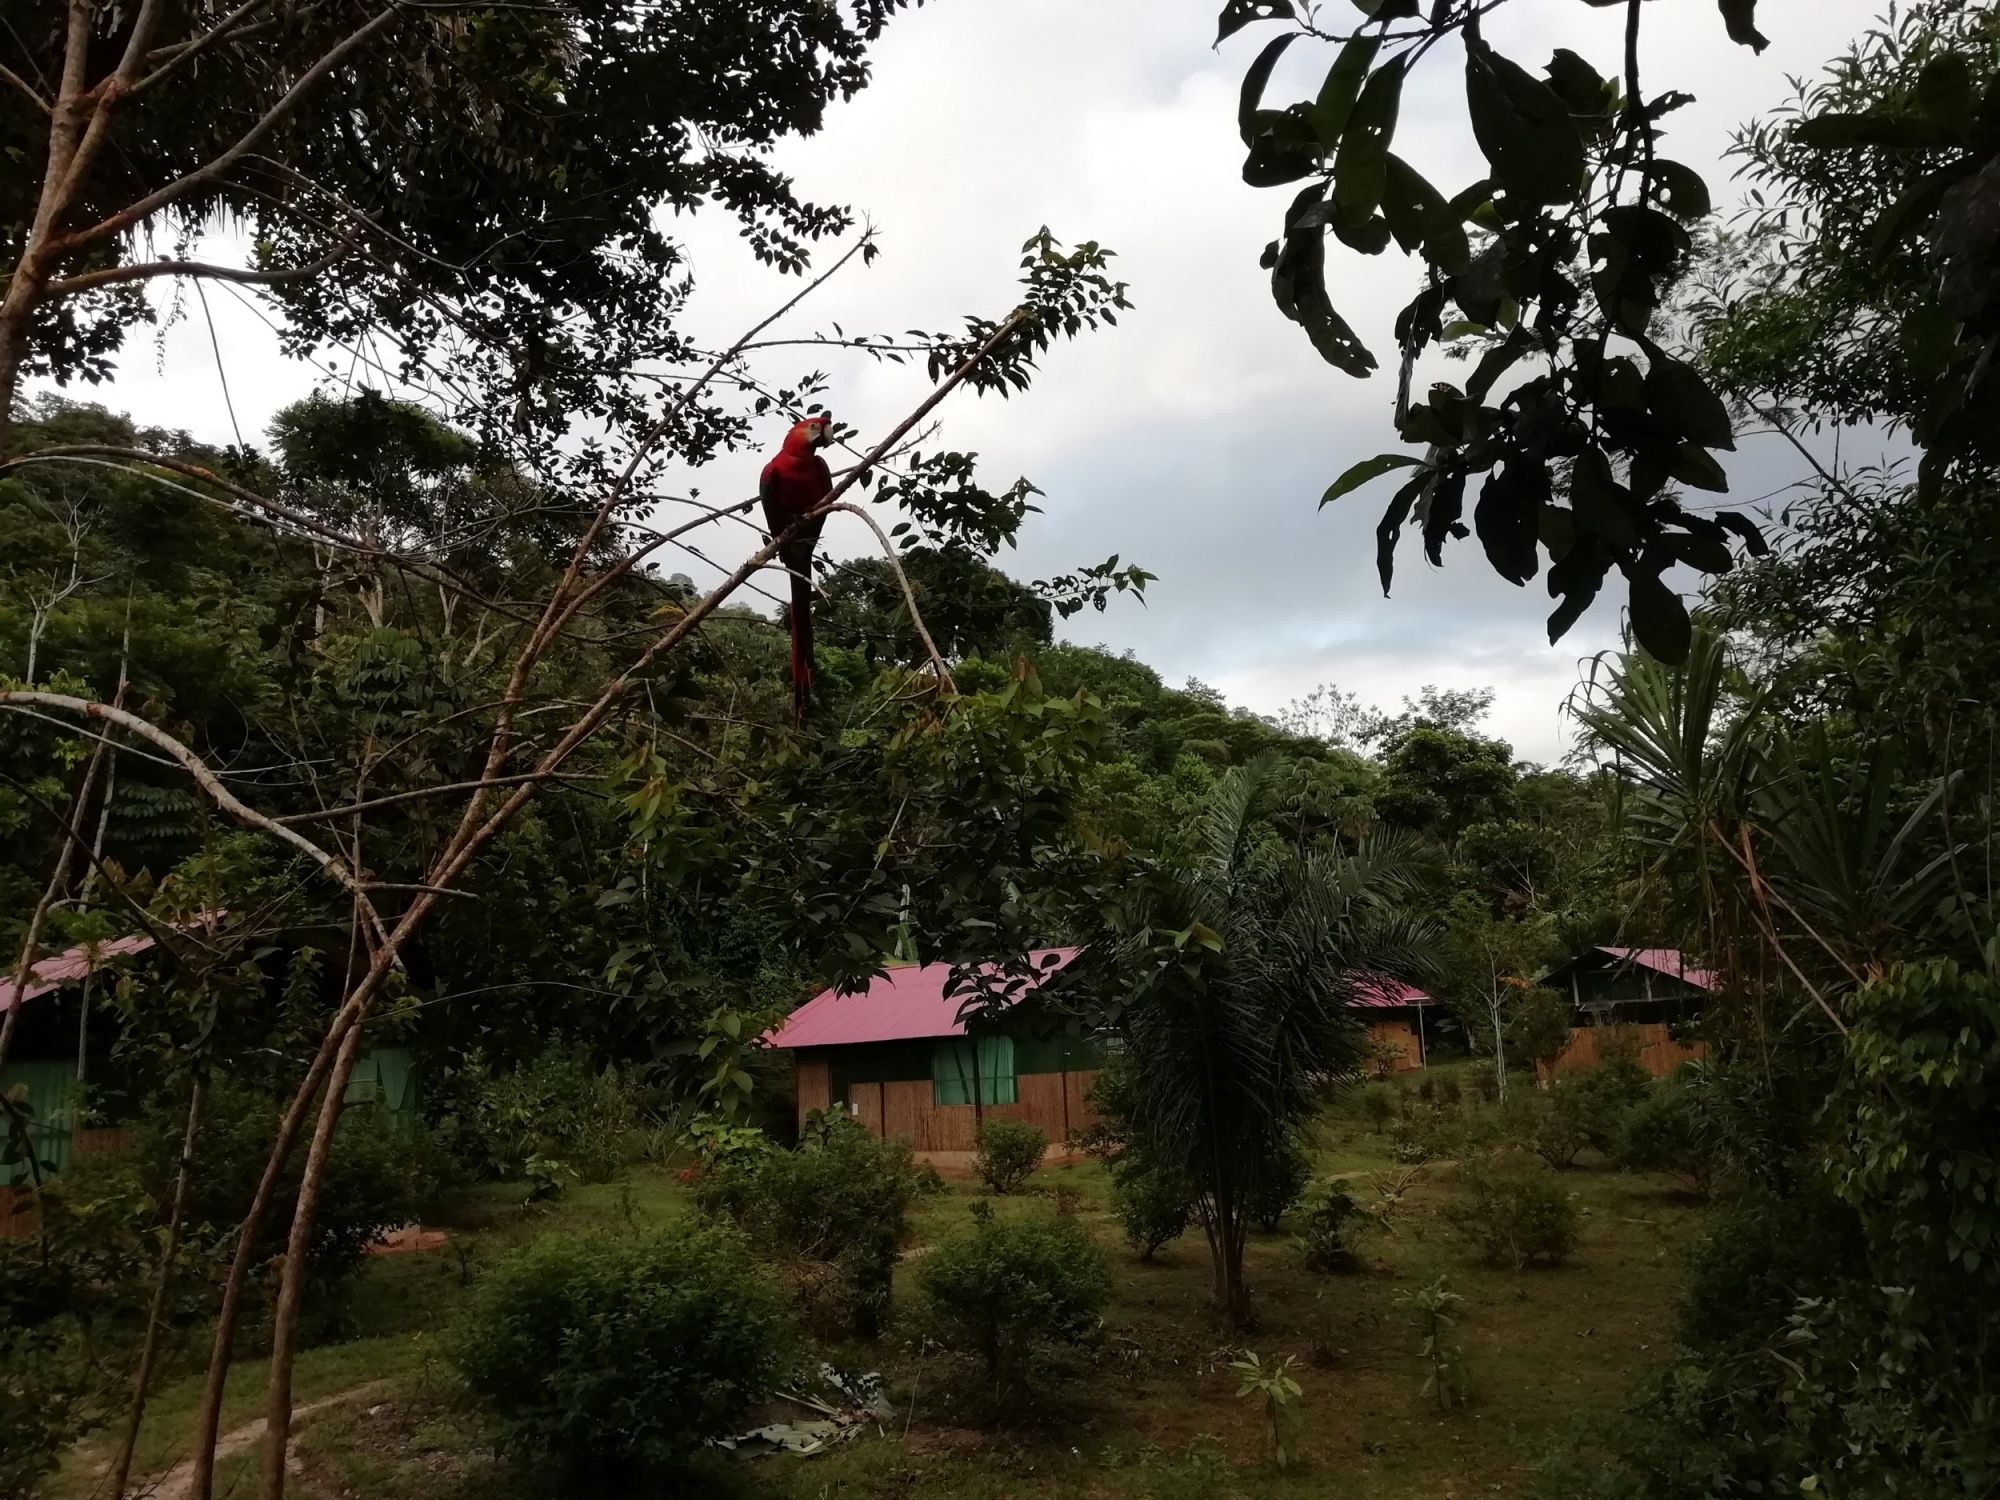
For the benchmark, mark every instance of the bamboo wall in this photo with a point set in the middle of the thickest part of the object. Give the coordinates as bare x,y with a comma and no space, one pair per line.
1659,1054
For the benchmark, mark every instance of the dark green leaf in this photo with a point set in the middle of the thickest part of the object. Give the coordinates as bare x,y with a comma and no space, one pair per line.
1439,512
1702,552
1367,469
1841,132
1495,362
1390,528
1743,526
1370,236
1660,620
1602,505
1945,93
1360,167
1914,207
1271,163
1523,128
1575,578
1578,84
1696,466
1342,87
1508,519
1420,216
1240,13
1258,74
1681,189
1679,397
1298,286
1740,16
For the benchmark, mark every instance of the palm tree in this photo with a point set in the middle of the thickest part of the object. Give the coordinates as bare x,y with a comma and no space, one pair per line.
1239,970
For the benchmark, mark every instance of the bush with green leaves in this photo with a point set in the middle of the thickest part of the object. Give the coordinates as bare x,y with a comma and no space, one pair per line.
1377,1102
1598,1097
1283,1182
581,1120
1330,1229
380,1174
1154,1204
1514,1210
1664,1132
1007,1288
605,1357
1558,1134
835,1210
1009,1152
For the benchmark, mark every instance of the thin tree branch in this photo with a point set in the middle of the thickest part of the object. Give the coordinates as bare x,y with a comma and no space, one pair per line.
147,270
909,595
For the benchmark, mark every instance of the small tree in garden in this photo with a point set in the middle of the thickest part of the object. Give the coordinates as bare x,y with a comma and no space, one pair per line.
1009,1152
1153,1203
1514,1210
1241,967
1283,1186
1437,1309
610,1356
1010,1287
836,1210
1275,1388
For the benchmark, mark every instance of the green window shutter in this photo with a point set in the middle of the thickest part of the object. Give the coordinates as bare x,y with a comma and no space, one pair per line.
996,1071
953,1070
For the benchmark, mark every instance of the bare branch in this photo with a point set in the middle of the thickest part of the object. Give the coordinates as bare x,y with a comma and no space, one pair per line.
15,80
275,116
148,270
193,764
909,595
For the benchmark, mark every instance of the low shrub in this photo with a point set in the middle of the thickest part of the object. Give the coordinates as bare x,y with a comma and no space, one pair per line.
1664,1133
1154,1204
1559,1134
1378,1105
580,1120
1513,1210
606,1356
1009,1287
1597,1098
836,1209
1330,1229
1285,1182
1009,1152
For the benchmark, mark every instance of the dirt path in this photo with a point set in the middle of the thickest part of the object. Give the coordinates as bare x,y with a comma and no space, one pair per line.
177,1481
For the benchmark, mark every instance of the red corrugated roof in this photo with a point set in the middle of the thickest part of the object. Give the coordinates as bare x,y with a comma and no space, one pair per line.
73,965
903,1005
1669,961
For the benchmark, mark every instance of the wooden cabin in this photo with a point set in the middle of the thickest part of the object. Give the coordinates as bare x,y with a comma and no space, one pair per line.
1646,996
1398,1033
900,1060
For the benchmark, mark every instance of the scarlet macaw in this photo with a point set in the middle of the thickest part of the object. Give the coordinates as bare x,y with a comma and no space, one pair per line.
791,485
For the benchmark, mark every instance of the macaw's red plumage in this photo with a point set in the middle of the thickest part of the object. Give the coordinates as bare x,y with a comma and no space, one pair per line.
792,484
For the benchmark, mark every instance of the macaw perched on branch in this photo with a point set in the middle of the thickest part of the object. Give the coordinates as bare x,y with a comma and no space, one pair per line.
791,485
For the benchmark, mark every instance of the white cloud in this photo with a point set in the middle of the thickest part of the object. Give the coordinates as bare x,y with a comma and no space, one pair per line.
1196,436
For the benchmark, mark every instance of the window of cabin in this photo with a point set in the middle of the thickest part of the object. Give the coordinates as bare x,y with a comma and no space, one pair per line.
963,1070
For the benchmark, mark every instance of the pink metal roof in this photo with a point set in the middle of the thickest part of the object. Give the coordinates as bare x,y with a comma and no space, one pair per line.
902,1005
73,965
67,968
1670,961
1383,993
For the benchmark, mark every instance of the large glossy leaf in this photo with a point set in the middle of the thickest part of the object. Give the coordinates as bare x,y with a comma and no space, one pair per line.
1298,286
1523,128
1361,165
1914,207
1369,468
1342,87
1240,13
1418,215
1681,189
1508,519
1679,397
1602,505
1659,619
1251,99
1390,529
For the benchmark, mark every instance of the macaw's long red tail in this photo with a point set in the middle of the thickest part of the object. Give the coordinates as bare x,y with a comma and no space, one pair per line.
802,646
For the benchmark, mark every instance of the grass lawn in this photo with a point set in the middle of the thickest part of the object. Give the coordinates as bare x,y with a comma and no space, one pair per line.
1151,1413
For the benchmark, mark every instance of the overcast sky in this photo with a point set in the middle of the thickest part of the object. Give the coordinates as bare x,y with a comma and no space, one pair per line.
1196,437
